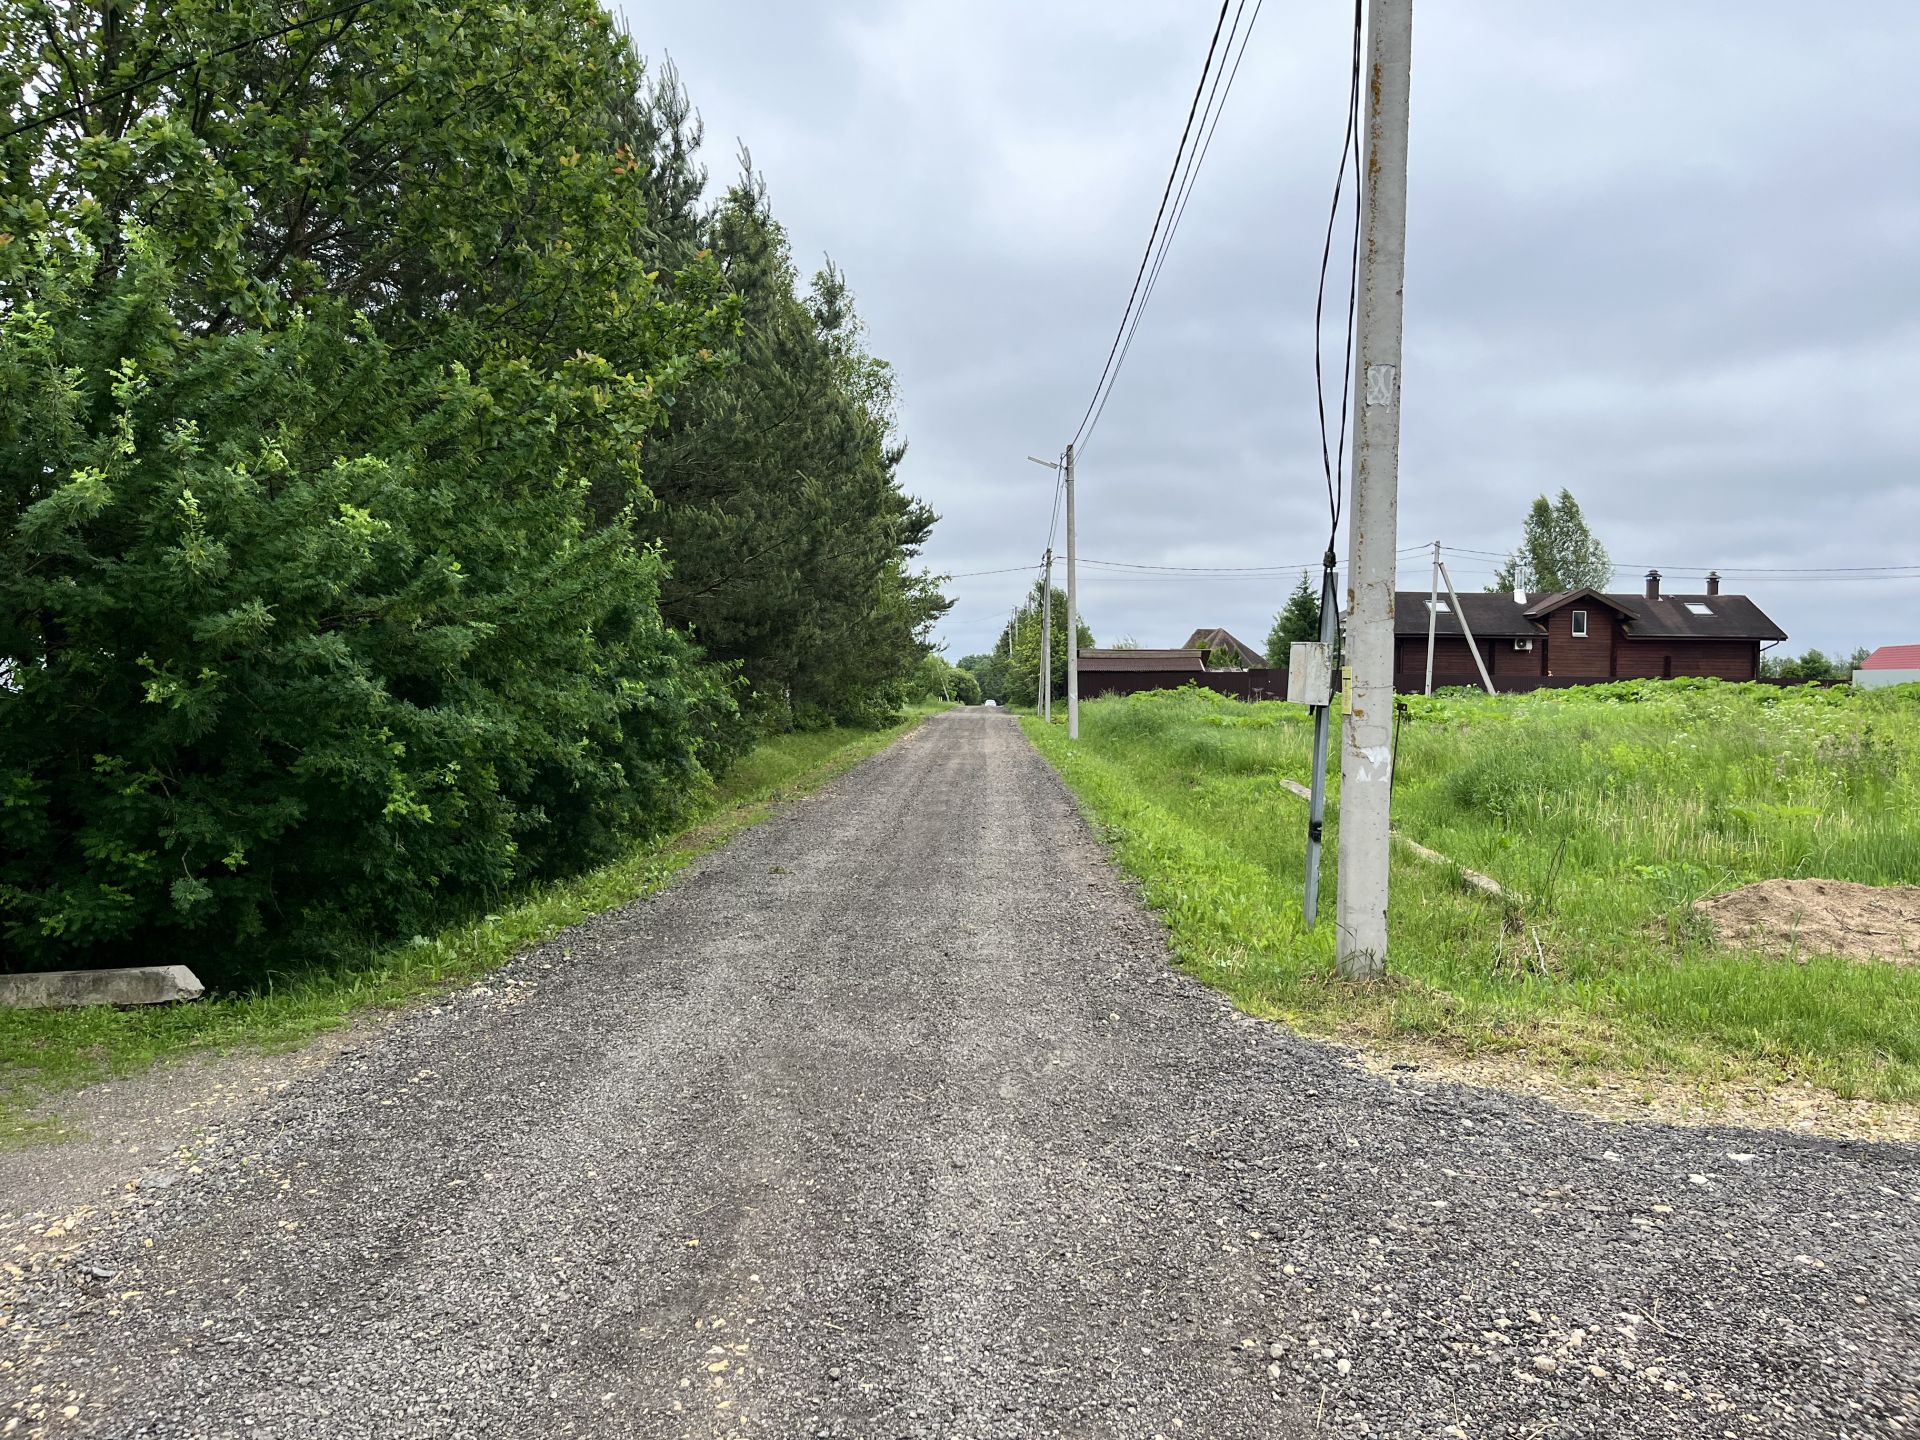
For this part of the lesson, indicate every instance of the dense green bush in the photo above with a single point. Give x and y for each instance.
(302, 639)
(332, 344)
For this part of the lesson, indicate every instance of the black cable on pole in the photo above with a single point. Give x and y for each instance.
(1159, 215)
(1059, 488)
(1333, 459)
(69, 111)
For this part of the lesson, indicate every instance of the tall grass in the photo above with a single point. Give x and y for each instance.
(1605, 813)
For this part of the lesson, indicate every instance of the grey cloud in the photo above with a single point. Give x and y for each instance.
(1655, 255)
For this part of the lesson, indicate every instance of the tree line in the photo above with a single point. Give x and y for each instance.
(1009, 673)
(415, 483)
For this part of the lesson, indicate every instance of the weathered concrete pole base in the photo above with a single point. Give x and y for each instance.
(59, 989)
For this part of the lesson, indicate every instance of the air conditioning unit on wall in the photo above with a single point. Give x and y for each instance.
(1523, 644)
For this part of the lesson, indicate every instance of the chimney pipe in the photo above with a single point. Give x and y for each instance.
(1713, 582)
(1653, 584)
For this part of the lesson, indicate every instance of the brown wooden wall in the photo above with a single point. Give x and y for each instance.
(1450, 656)
(1509, 661)
(1724, 659)
(1607, 652)
(1588, 659)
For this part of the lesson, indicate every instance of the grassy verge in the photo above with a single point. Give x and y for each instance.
(47, 1050)
(1604, 814)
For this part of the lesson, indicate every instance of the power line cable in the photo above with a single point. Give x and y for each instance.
(1723, 569)
(1335, 463)
(1009, 570)
(1203, 569)
(1210, 122)
(1146, 256)
(1059, 488)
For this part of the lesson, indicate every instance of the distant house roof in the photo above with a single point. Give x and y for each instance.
(1493, 615)
(1698, 617)
(1668, 617)
(1219, 639)
(1544, 606)
(1160, 660)
(1893, 657)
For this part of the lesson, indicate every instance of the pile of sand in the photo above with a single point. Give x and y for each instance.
(1820, 917)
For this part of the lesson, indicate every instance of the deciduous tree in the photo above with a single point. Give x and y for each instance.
(1557, 551)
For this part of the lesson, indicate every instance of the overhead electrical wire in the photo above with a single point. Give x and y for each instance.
(1412, 554)
(1007, 570)
(1334, 462)
(1723, 569)
(1201, 569)
(1059, 488)
(1109, 371)
(1197, 157)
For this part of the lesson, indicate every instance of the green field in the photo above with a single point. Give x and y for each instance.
(1605, 813)
(44, 1050)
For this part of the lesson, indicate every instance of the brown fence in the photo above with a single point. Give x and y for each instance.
(1240, 684)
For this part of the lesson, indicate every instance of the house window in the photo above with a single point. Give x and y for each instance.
(1439, 607)
(1697, 608)
(1579, 624)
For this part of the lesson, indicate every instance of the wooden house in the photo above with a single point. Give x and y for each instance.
(1582, 636)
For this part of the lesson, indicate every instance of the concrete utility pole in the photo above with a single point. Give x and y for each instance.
(1433, 613)
(1073, 617)
(1466, 630)
(1366, 750)
(1046, 642)
(1064, 468)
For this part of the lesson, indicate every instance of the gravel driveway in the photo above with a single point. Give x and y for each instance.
(890, 1120)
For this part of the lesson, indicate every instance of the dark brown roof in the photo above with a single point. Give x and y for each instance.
(1491, 615)
(1219, 639)
(1727, 617)
(1547, 604)
(1178, 660)
(1496, 615)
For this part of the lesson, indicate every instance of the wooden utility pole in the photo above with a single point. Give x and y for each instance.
(1366, 750)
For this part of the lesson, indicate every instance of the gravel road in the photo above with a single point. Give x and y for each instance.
(890, 1120)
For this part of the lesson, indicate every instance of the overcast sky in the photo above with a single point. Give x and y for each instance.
(1664, 254)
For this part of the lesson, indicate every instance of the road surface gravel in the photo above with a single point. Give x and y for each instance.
(891, 1120)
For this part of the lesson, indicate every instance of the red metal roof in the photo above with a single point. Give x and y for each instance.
(1893, 657)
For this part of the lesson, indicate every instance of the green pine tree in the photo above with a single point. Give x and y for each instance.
(1300, 620)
